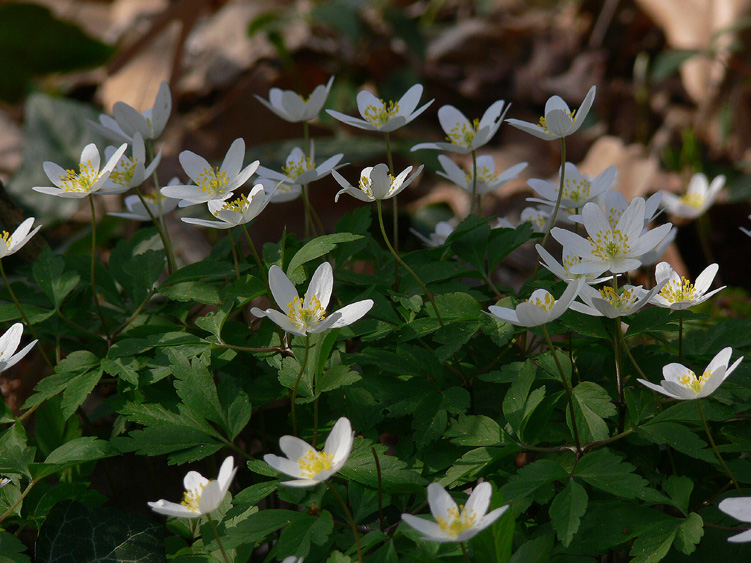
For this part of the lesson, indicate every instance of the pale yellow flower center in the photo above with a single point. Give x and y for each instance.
(305, 317)
(7, 239)
(123, 172)
(313, 462)
(623, 301)
(610, 245)
(538, 220)
(366, 185)
(379, 116)
(153, 198)
(213, 181)
(690, 381)
(238, 205)
(484, 175)
(459, 520)
(463, 134)
(295, 168)
(614, 215)
(678, 291)
(546, 303)
(695, 200)
(81, 182)
(576, 190)
(544, 124)
(192, 499)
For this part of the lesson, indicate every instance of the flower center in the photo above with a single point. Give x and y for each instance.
(7, 239)
(614, 215)
(623, 301)
(238, 205)
(676, 291)
(610, 245)
(192, 499)
(213, 181)
(459, 520)
(538, 219)
(576, 190)
(378, 116)
(690, 381)
(546, 303)
(295, 168)
(81, 182)
(544, 124)
(313, 462)
(463, 134)
(694, 200)
(305, 317)
(123, 172)
(484, 175)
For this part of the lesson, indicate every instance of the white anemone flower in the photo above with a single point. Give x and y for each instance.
(740, 509)
(4, 481)
(616, 249)
(300, 170)
(202, 496)
(376, 183)
(438, 237)
(14, 242)
(698, 198)
(615, 204)
(128, 121)
(682, 383)
(678, 293)
(456, 523)
(465, 136)
(540, 308)
(212, 183)
(9, 342)
(232, 213)
(488, 179)
(562, 269)
(156, 203)
(88, 180)
(308, 466)
(292, 107)
(559, 121)
(578, 188)
(539, 218)
(129, 172)
(378, 115)
(611, 303)
(279, 192)
(308, 315)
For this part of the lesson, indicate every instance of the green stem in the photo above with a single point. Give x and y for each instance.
(160, 224)
(394, 210)
(130, 319)
(619, 374)
(93, 268)
(567, 387)
(216, 535)
(714, 446)
(680, 334)
(350, 520)
(261, 266)
(293, 397)
(404, 265)
(560, 191)
(381, 518)
(26, 491)
(474, 204)
(23, 315)
(234, 253)
(464, 552)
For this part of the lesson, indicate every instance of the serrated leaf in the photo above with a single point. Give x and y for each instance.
(87, 448)
(195, 386)
(314, 249)
(53, 281)
(515, 401)
(259, 525)
(475, 430)
(591, 404)
(191, 291)
(135, 269)
(531, 477)
(78, 389)
(606, 471)
(689, 534)
(536, 550)
(679, 488)
(566, 511)
(124, 368)
(503, 241)
(653, 545)
(395, 476)
(337, 376)
(236, 407)
(679, 438)
(12, 549)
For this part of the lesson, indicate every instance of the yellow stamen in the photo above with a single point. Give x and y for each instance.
(459, 520)
(239, 205)
(484, 175)
(192, 499)
(610, 245)
(463, 134)
(295, 168)
(305, 317)
(313, 462)
(678, 291)
(690, 381)
(123, 172)
(576, 190)
(544, 124)
(378, 116)
(7, 239)
(81, 182)
(213, 181)
(695, 200)
(546, 303)
(623, 301)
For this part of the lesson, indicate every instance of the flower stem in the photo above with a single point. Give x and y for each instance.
(617, 337)
(264, 274)
(464, 552)
(680, 334)
(159, 222)
(381, 519)
(25, 492)
(394, 206)
(350, 520)
(216, 535)
(293, 397)
(560, 192)
(234, 253)
(404, 265)
(474, 204)
(93, 268)
(567, 387)
(714, 446)
(23, 315)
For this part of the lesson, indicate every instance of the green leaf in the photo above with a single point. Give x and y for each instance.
(515, 400)
(679, 438)
(314, 249)
(12, 549)
(653, 545)
(606, 471)
(470, 241)
(236, 407)
(195, 386)
(297, 536)
(337, 376)
(255, 493)
(77, 390)
(135, 266)
(689, 534)
(213, 322)
(191, 291)
(566, 511)
(259, 525)
(504, 241)
(395, 477)
(472, 464)
(15, 455)
(475, 430)
(83, 449)
(104, 535)
(68, 371)
(48, 271)
(591, 404)
(531, 477)
(537, 550)
(679, 489)
(199, 270)
(124, 368)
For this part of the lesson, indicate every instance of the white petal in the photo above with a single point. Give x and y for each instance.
(320, 286)
(429, 529)
(479, 500)
(339, 443)
(441, 503)
(282, 289)
(738, 508)
(172, 509)
(352, 313)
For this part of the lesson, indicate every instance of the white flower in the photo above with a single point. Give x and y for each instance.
(616, 249)
(578, 188)
(681, 383)
(488, 179)
(308, 315)
(299, 170)
(539, 218)
(465, 136)
(376, 183)
(129, 172)
(740, 509)
(456, 523)
(651, 257)
(293, 559)
(382, 116)
(679, 293)
(697, 199)
(14, 242)
(540, 308)
(558, 121)
(292, 107)
(129, 121)
(4, 481)
(612, 304)
(308, 466)
(615, 204)
(279, 192)
(232, 213)
(9, 342)
(437, 237)
(89, 179)
(563, 270)
(201, 495)
(156, 203)
(212, 183)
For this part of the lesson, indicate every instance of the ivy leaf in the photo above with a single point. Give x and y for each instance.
(606, 471)
(566, 511)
